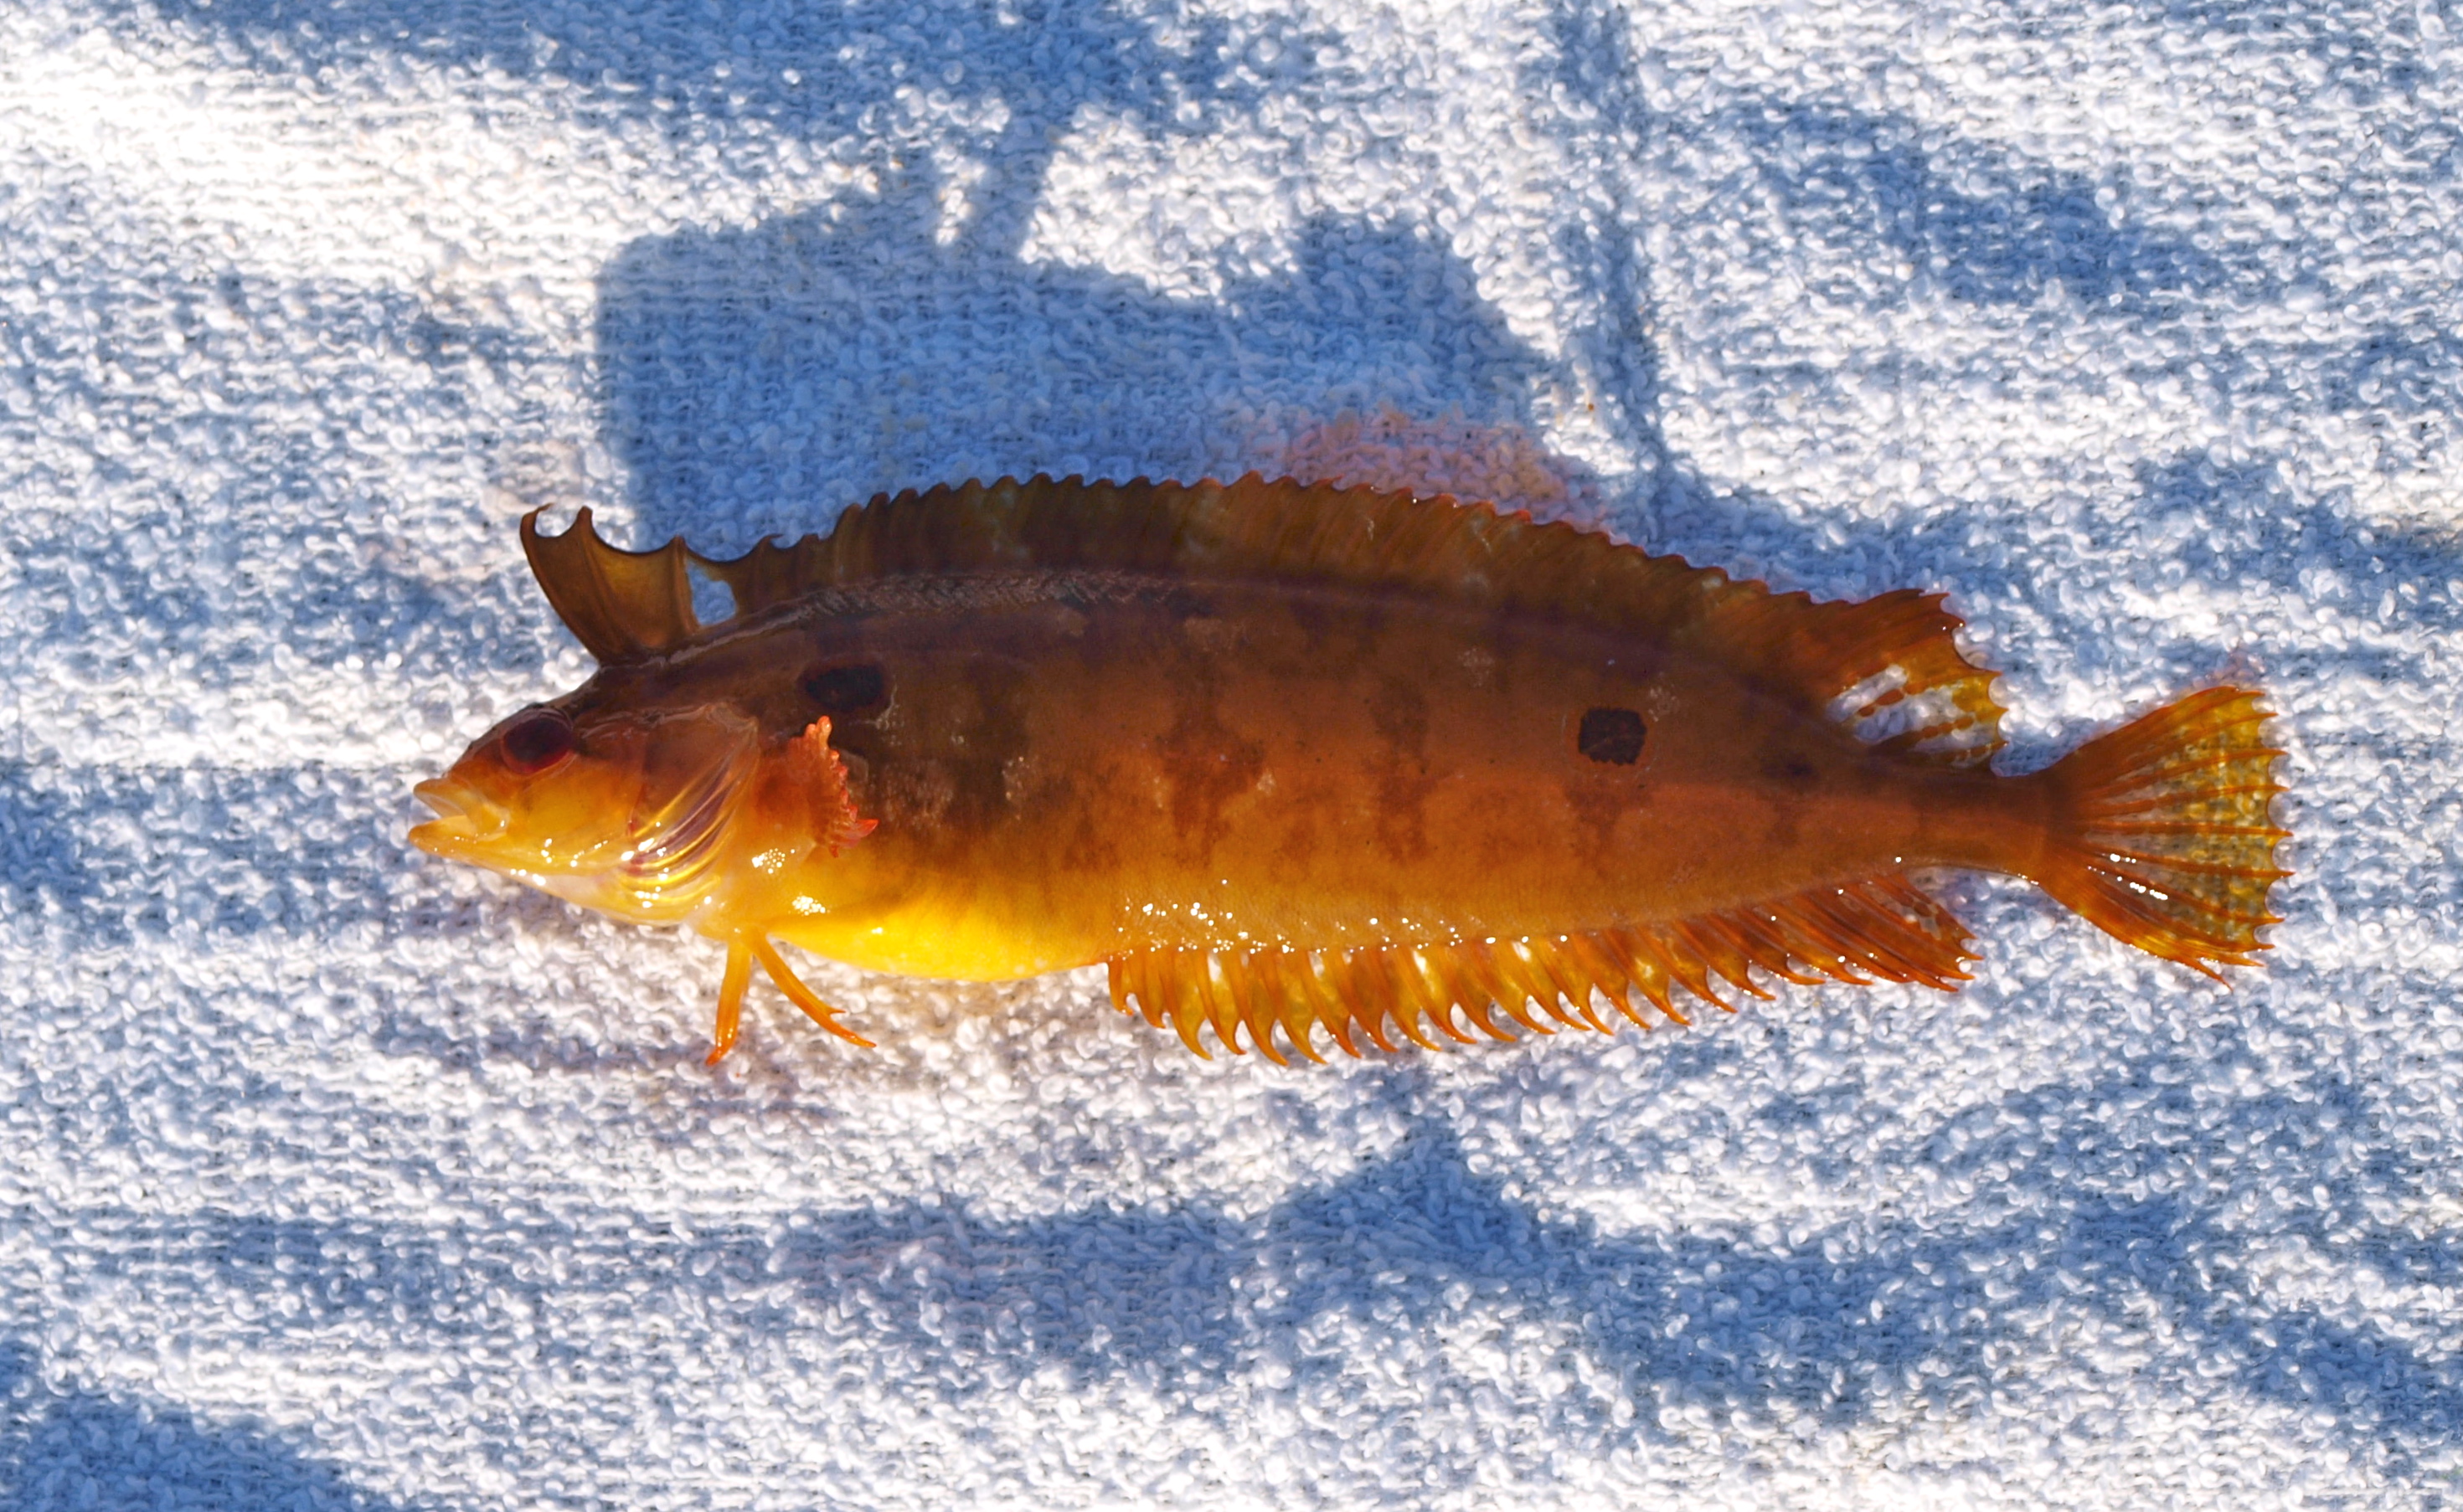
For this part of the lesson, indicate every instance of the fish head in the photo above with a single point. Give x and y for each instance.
(625, 810)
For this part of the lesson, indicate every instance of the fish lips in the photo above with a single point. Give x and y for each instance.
(466, 819)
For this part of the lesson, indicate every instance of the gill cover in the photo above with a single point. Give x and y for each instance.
(632, 816)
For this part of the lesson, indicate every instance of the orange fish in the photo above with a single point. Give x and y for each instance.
(1289, 758)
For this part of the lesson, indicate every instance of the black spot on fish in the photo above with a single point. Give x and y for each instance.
(1611, 737)
(849, 689)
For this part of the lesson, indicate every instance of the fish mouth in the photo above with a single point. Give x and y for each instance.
(465, 819)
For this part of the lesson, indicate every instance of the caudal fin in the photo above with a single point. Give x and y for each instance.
(2161, 831)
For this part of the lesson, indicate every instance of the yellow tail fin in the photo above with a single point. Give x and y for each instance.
(2161, 831)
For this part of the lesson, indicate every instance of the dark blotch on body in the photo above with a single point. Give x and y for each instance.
(1790, 769)
(847, 689)
(1612, 737)
(1400, 709)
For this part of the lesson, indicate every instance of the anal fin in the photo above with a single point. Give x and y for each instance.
(1273, 1002)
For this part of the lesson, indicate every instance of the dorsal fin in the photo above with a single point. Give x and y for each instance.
(618, 604)
(1883, 926)
(1896, 651)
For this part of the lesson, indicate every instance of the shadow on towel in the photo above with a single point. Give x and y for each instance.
(1416, 1246)
(84, 1450)
(762, 380)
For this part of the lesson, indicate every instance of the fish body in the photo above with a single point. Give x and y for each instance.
(1287, 758)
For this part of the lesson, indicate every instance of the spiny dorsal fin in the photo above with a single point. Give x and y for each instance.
(1884, 927)
(618, 604)
(1917, 690)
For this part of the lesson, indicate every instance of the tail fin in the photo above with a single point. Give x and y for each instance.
(2161, 831)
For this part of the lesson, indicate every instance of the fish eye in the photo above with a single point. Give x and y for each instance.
(537, 739)
(1612, 737)
(854, 687)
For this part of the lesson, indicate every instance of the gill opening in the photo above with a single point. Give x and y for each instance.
(675, 860)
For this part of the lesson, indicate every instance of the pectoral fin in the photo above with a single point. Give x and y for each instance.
(820, 775)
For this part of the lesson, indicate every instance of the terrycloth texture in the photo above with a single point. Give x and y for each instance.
(336, 1177)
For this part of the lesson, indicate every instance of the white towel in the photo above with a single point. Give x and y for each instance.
(338, 1176)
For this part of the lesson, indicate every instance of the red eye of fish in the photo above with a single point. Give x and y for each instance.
(538, 740)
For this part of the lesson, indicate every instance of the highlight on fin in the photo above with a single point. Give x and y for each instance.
(2163, 834)
(1881, 927)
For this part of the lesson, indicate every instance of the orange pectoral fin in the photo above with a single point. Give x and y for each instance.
(821, 776)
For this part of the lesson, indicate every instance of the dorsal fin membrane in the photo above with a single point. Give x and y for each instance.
(1888, 668)
(625, 603)
(618, 604)
(1884, 927)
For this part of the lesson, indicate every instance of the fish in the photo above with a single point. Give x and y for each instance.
(1308, 768)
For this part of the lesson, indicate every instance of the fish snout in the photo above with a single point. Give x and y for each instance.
(463, 817)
